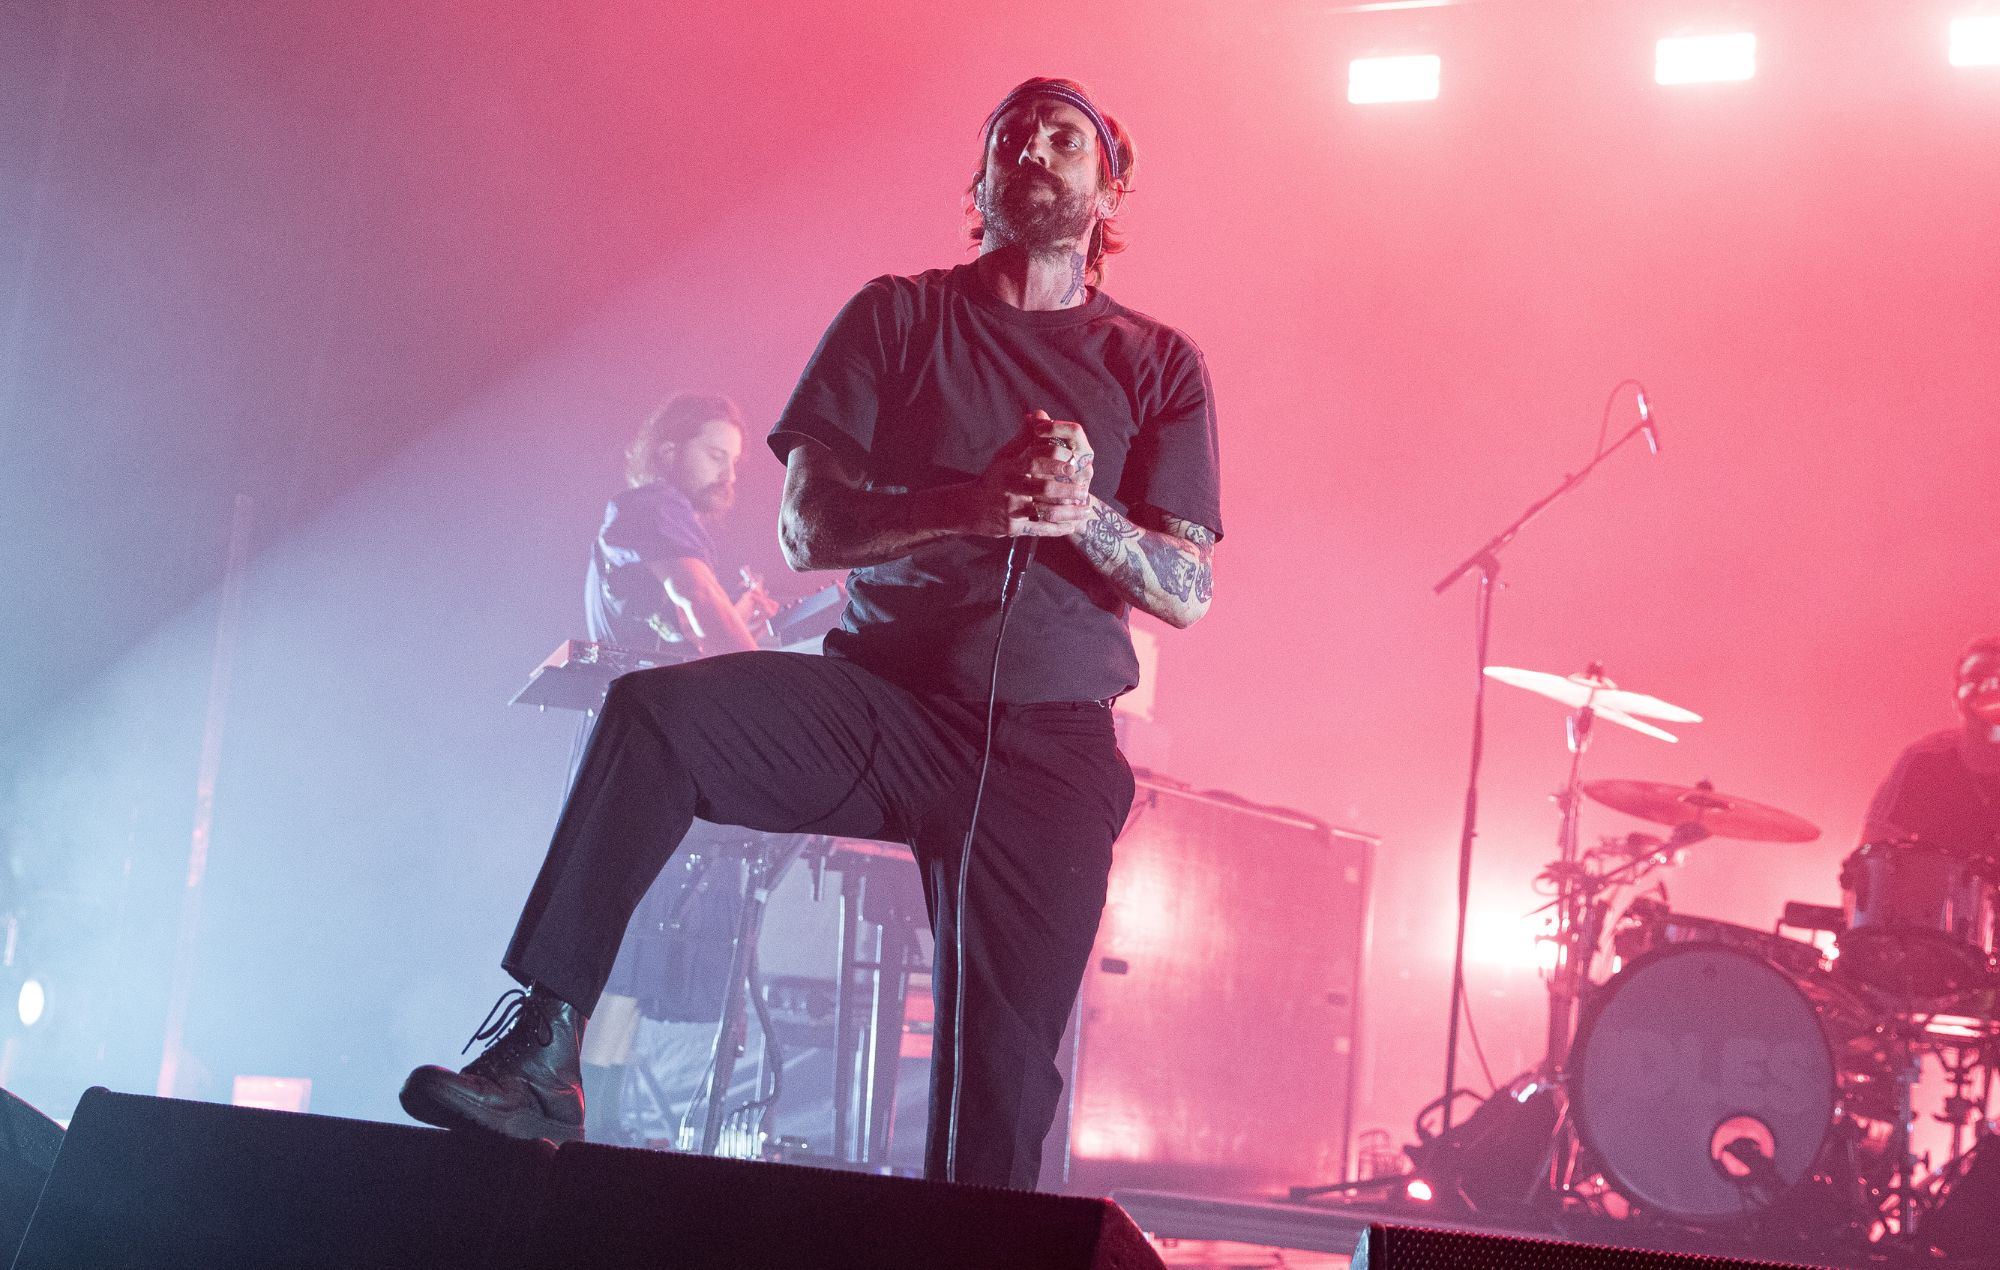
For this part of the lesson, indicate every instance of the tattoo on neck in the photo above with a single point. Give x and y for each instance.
(1075, 278)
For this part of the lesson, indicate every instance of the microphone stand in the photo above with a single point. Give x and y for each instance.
(1487, 561)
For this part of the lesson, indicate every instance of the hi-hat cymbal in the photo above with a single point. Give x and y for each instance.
(1595, 691)
(1721, 814)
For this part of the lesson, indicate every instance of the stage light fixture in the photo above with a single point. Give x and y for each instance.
(1419, 1190)
(1705, 59)
(1374, 80)
(1975, 41)
(32, 1003)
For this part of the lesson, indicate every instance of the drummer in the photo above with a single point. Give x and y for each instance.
(1945, 788)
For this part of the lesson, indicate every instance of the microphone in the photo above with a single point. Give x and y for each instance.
(1646, 424)
(1018, 561)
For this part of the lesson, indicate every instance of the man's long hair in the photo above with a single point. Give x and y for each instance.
(674, 422)
(1107, 236)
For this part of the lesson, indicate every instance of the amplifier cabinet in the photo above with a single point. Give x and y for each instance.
(1215, 1041)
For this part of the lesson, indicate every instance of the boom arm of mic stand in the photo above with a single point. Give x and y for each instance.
(1490, 553)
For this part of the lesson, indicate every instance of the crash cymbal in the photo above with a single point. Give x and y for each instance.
(1624, 720)
(1593, 690)
(1721, 814)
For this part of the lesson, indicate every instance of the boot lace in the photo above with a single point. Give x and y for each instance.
(516, 1022)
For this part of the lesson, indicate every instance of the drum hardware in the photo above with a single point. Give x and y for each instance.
(1799, 1112)
(1962, 1069)
(1648, 924)
(1579, 906)
(1829, 919)
(1726, 1079)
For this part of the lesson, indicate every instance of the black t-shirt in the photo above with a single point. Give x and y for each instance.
(641, 526)
(1936, 793)
(920, 382)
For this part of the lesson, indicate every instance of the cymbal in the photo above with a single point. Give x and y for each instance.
(1624, 720)
(1721, 814)
(1595, 691)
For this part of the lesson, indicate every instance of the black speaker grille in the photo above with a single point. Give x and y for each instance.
(1422, 1248)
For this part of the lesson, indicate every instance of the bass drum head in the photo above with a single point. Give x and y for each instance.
(1689, 1050)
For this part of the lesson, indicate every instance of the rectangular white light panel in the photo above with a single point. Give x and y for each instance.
(1380, 79)
(1705, 59)
(1975, 41)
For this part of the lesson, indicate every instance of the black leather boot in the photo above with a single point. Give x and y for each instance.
(525, 1084)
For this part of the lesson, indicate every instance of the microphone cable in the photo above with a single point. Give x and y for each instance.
(1020, 554)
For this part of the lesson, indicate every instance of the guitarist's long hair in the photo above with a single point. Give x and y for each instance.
(673, 424)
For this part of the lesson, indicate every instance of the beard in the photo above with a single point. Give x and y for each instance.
(1019, 215)
(713, 500)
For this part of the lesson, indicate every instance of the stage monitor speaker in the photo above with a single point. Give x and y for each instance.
(143, 1182)
(28, 1144)
(616, 1208)
(1426, 1248)
(1216, 1036)
(1967, 1224)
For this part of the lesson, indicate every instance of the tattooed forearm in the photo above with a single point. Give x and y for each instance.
(829, 520)
(1106, 534)
(1174, 570)
(1166, 572)
(1201, 573)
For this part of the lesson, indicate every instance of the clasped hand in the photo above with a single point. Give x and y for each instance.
(1039, 487)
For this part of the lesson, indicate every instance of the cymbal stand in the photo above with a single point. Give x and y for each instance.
(1905, 1195)
(1961, 1109)
(1576, 901)
(1582, 904)
(1963, 1066)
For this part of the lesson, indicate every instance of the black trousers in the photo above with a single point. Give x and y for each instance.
(793, 743)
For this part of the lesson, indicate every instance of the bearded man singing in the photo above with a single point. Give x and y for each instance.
(953, 430)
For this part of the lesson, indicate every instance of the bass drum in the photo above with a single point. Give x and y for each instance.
(1707, 1081)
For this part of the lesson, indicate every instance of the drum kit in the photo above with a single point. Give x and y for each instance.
(1720, 1080)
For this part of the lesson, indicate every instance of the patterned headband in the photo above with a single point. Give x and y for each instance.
(1063, 93)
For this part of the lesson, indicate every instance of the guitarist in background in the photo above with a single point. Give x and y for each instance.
(652, 581)
(652, 587)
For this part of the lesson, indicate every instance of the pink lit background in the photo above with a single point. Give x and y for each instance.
(407, 276)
